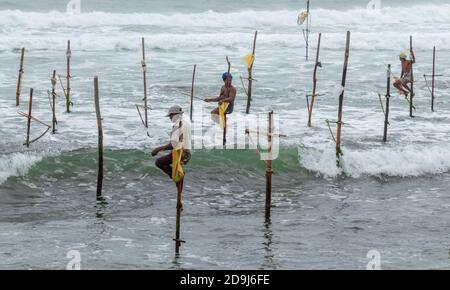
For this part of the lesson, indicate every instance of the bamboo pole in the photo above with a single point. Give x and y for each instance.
(225, 116)
(144, 73)
(19, 81)
(388, 96)
(100, 140)
(313, 97)
(54, 122)
(341, 101)
(411, 104)
(269, 171)
(30, 107)
(433, 78)
(192, 94)
(250, 77)
(225, 130)
(68, 89)
(177, 239)
(307, 31)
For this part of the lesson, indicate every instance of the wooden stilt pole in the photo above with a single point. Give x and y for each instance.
(388, 96)
(341, 101)
(144, 73)
(269, 171)
(433, 78)
(100, 140)
(54, 122)
(225, 130)
(192, 94)
(229, 64)
(411, 100)
(250, 77)
(308, 29)
(30, 107)
(19, 81)
(313, 97)
(177, 239)
(68, 88)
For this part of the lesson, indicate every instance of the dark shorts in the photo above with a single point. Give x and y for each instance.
(230, 108)
(165, 163)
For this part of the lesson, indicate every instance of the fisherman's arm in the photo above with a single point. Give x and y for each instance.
(162, 148)
(215, 99)
(208, 100)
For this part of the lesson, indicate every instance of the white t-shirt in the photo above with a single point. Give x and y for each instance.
(181, 133)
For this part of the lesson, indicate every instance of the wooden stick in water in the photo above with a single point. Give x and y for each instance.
(388, 96)
(250, 77)
(30, 107)
(433, 79)
(225, 130)
(341, 101)
(68, 89)
(100, 140)
(19, 81)
(229, 65)
(269, 171)
(177, 239)
(308, 29)
(144, 72)
(313, 97)
(192, 94)
(54, 122)
(411, 104)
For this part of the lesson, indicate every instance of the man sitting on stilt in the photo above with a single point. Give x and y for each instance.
(180, 144)
(227, 95)
(406, 78)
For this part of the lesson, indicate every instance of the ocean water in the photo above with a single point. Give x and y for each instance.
(392, 198)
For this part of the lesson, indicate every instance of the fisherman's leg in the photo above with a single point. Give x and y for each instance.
(399, 86)
(407, 87)
(215, 115)
(165, 164)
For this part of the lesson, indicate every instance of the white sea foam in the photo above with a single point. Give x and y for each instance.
(433, 14)
(17, 164)
(109, 31)
(407, 161)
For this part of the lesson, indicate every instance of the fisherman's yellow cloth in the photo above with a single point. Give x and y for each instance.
(222, 111)
(248, 59)
(177, 167)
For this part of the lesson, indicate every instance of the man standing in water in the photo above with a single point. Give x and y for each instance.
(180, 136)
(406, 77)
(227, 95)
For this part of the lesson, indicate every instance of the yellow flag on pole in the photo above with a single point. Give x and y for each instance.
(248, 59)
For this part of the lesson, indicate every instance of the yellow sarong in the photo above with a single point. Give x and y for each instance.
(177, 167)
(248, 60)
(222, 111)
